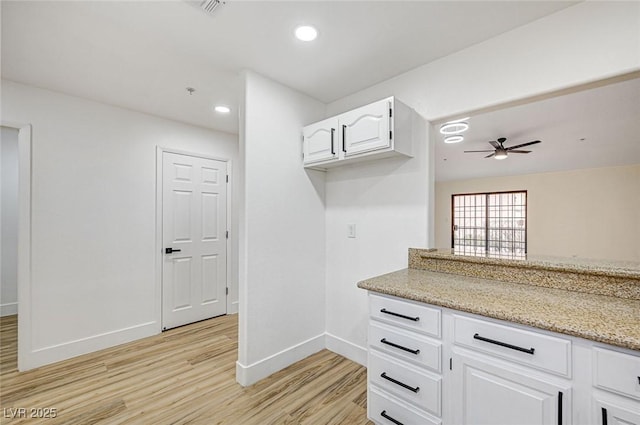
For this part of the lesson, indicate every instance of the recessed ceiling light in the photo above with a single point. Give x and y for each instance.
(222, 109)
(306, 33)
(454, 139)
(454, 127)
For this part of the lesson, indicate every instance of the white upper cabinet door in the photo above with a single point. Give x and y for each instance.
(321, 141)
(367, 128)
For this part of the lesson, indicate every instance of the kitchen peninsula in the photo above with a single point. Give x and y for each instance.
(564, 345)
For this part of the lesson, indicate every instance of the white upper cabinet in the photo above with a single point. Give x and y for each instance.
(320, 141)
(378, 130)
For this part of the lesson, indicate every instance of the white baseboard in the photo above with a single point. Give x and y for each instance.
(248, 375)
(8, 309)
(67, 350)
(346, 349)
(233, 308)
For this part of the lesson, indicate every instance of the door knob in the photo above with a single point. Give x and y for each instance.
(171, 250)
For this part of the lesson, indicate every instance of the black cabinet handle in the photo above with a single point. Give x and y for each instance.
(389, 418)
(559, 407)
(384, 341)
(385, 311)
(333, 130)
(504, 344)
(344, 135)
(604, 416)
(171, 250)
(402, 384)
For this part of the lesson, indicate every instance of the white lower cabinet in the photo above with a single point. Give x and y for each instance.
(490, 392)
(433, 365)
(615, 411)
(616, 382)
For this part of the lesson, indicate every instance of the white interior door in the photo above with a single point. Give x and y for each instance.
(194, 232)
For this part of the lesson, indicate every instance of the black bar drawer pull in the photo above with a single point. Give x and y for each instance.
(604, 416)
(559, 407)
(389, 418)
(385, 311)
(171, 250)
(384, 341)
(402, 384)
(504, 344)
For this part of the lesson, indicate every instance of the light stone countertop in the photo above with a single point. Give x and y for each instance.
(617, 268)
(601, 318)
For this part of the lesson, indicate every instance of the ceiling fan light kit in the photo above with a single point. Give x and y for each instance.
(500, 154)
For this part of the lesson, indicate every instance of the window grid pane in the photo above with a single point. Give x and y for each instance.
(493, 223)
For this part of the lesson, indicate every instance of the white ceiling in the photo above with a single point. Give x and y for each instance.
(607, 118)
(142, 55)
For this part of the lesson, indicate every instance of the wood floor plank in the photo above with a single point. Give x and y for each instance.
(183, 376)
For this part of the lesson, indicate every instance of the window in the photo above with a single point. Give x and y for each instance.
(493, 224)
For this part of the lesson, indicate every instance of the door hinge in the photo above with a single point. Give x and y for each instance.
(227, 290)
(450, 363)
(227, 235)
(390, 135)
(227, 178)
(390, 112)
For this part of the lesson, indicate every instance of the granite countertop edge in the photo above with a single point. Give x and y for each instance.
(397, 284)
(598, 268)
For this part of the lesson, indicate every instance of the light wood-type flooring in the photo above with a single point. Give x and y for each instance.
(182, 376)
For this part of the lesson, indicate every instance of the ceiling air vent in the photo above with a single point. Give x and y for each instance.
(208, 6)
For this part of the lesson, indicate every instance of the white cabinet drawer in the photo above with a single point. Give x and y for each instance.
(406, 314)
(618, 372)
(406, 345)
(413, 385)
(530, 348)
(386, 410)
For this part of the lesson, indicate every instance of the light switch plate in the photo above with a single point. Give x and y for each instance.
(351, 230)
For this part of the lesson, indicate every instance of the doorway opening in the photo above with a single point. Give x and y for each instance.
(15, 236)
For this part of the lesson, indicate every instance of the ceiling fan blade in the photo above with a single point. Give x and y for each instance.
(490, 150)
(519, 151)
(489, 156)
(495, 144)
(523, 145)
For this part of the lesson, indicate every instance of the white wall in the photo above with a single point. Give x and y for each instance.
(583, 43)
(388, 201)
(282, 246)
(589, 213)
(9, 222)
(93, 282)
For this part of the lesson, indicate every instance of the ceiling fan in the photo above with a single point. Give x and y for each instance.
(500, 152)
